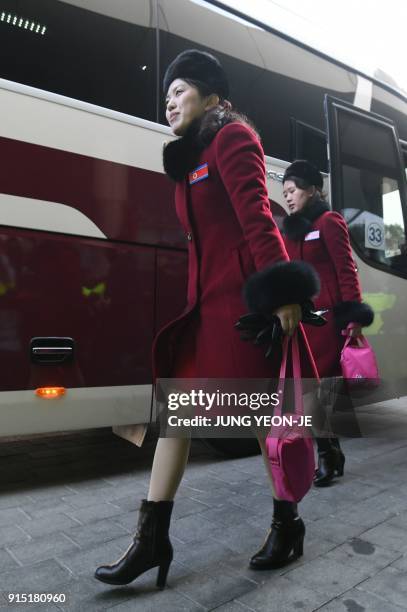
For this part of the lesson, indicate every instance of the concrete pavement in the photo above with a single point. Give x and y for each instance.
(69, 503)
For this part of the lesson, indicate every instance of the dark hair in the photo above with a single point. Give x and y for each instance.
(218, 116)
(303, 184)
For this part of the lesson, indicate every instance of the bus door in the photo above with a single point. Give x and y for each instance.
(368, 187)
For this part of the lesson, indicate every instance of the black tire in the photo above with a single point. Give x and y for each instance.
(233, 447)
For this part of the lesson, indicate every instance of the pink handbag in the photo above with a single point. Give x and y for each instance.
(290, 453)
(358, 363)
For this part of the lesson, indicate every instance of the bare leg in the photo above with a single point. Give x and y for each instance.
(170, 459)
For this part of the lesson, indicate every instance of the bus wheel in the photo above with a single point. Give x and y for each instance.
(233, 447)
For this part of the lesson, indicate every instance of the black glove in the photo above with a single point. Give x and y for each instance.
(267, 330)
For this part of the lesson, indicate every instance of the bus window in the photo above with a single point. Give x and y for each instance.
(82, 54)
(368, 185)
(307, 142)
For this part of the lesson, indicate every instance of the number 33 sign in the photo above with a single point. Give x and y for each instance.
(374, 235)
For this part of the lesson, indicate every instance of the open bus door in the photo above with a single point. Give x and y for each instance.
(368, 187)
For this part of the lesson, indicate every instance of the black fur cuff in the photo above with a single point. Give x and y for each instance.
(353, 312)
(287, 282)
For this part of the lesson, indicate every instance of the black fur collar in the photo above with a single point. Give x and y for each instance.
(298, 225)
(181, 156)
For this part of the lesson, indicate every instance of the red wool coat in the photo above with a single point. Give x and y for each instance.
(326, 246)
(231, 234)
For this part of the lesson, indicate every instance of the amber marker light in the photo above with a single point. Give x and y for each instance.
(50, 392)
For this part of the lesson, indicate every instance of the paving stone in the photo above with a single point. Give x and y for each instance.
(192, 527)
(233, 606)
(389, 536)
(399, 520)
(127, 480)
(46, 576)
(373, 511)
(205, 484)
(12, 534)
(258, 504)
(127, 504)
(84, 562)
(95, 533)
(12, 516)
(51, 523)
(361, 552)
(96, 495)
(238, 565)
(334, 529)
(230, 475)
(356, 600)
(226, 515)
(327, 576)
(88, 594)
(348, 490)
(282, 595)
(390, 584)
(6, 561)
(13, 500)
(390, 474)
(151, 601)
(222, 513)
(315, 547)
(46, 507)
(400, 563)
(40, 549)
(314, 507)
(214, 498)
(260, 478)
(240, 538)
(211, 589)
(202, 554)
(86, 486)
(185, 506)
(251, 488)
(128, 521)
(39, 493)
(94, 513)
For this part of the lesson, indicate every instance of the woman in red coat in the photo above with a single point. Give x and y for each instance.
(315, 234)
(222, 203)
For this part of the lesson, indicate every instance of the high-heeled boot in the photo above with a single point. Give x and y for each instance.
(284, 542)
(331, 461)
(151, 547)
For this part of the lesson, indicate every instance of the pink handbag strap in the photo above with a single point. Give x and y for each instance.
(356, 341)
(296, 366)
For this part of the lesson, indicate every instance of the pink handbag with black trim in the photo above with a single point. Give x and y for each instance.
(290, 453)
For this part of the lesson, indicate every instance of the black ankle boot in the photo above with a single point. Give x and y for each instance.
(331, 461)
(151, 547)
(284, 542)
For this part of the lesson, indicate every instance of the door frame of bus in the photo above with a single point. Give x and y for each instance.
(331, 106)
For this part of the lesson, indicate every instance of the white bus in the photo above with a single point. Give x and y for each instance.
(92, 258)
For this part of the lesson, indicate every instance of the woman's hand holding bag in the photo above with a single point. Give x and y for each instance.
(260, 329)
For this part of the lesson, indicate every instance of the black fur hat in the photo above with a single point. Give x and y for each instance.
(304, 170)
(198, 66)
(286, 282)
